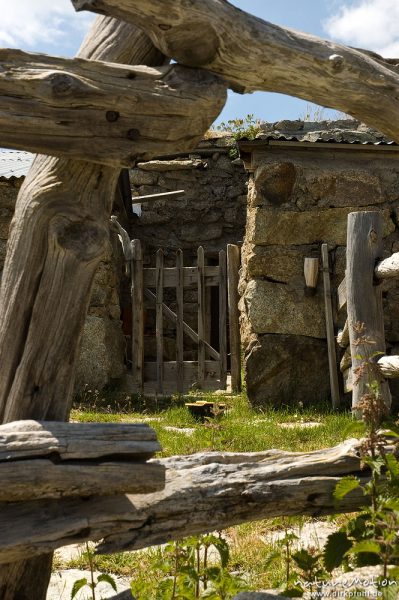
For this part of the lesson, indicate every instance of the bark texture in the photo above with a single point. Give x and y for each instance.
(203, 492)
(101, 112)
(252, 54)
(57, 238)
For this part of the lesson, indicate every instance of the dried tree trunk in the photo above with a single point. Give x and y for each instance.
(255, 55)
(61, 106)
(203, 492)
(57, 238)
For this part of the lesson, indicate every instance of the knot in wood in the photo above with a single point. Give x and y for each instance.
(61, 84)
(112, 116)
(85, 239)
(133, 134)
(164, 26)
(337, 62)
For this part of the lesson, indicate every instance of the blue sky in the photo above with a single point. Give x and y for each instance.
(52, 26)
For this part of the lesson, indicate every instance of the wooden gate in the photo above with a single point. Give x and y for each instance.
(210, 370)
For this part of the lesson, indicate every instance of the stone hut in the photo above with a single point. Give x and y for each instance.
(304, 180)
(299, 183)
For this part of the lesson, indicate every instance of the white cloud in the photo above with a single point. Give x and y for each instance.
(38, 24)
(369, 24)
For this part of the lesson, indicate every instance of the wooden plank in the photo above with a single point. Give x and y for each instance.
(190, 276)
(364, 301)
(341, 293)
(159, 318)
(169, 314)
(40, 478)
(70, 441)
(223, 318)
(59, 106)
(162, 196)
(190, 370)
(138, 314)
(332, 356)
(388, 268)
(201, 316)
(233, 265)
(179, 320)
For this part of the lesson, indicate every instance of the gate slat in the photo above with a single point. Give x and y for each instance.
(180, 319)
(159, 318)
(138, 314)
(233, 265)
(201, 316)
(222, 318)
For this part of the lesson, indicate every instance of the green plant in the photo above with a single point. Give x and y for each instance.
(188, 573)
(371, 537)
(93, 583)
(248, 128)
(303, 567)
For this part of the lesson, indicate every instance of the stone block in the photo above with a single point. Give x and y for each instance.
(266, 227)
(102, 353)
(287, 369)
(277, 263)
(169, 165)
(140, 177)
(275, 182)
(343, 187)
(284, 309)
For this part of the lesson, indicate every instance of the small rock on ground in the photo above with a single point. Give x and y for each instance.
(62, 581)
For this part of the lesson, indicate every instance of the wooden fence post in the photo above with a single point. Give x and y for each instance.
(332, 355)
(201, 316)
(138, 315)
(364, 302)
(233, 265)
(223, 318)
(179, 321)
(159, 318)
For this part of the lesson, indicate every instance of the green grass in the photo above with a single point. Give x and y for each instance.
(240, 429)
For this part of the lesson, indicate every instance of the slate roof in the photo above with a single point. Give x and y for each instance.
(15, 163)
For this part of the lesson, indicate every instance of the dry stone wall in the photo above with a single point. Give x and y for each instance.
(299, 197)
(212, 212)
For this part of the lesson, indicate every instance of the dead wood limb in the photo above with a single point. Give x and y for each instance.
(203, 492)
(101, 112)
(57, 460)
(255, 55)
(58, 236)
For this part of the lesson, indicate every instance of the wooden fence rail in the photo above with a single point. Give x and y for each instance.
(203, 492)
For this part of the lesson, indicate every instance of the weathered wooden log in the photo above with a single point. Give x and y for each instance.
(58, 236)
(389, 366)
(100, 112)
(56, 460)
(364, 303)
(252, 54)
(332, 353)
(388, 268)
(203, 492)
